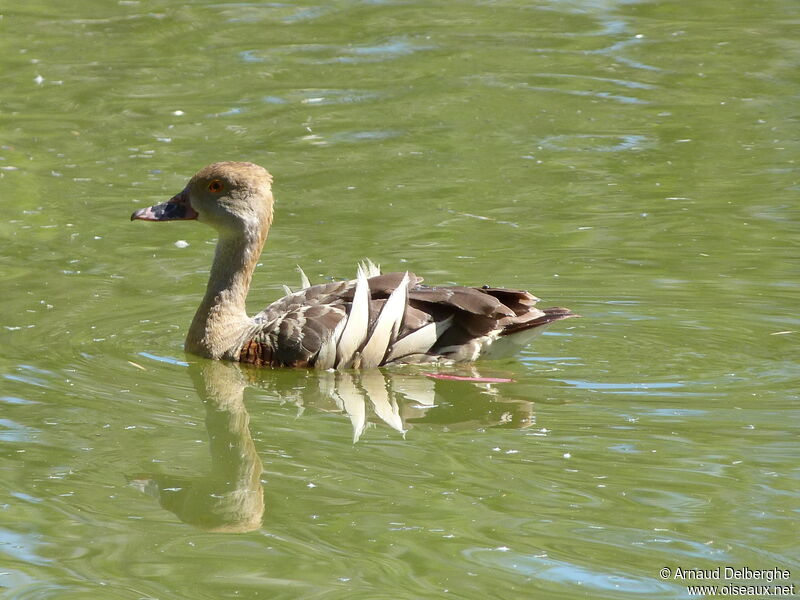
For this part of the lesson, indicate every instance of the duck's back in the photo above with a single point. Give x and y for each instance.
(392, 318)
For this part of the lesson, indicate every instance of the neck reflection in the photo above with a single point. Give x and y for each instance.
(230, 497)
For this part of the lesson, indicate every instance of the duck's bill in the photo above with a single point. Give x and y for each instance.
(176, 208)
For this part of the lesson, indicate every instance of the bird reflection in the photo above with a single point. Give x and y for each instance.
(231, 498)
(403, 400)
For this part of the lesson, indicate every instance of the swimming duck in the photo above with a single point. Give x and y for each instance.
(375, 319)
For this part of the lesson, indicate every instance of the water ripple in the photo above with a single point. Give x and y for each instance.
(492, 80)
(338, 53)
(563, 572)
(321, 97)
(595, 142)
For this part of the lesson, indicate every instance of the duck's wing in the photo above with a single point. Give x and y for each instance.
(334, 325)
(392, 318)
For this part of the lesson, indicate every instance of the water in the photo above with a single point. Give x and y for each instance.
(635, 161)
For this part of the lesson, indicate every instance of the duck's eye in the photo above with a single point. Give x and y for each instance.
(216, 186)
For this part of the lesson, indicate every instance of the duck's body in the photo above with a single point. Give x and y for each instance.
(370, 321)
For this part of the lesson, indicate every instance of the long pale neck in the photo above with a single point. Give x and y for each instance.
(221, 319)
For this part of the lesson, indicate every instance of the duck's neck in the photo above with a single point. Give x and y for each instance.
(221, 321)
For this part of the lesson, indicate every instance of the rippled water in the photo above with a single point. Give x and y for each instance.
(635, 161)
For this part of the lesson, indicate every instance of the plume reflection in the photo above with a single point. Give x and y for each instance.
(403, 399)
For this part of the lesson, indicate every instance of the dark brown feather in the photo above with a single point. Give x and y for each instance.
(519, 301)
(552, 314)
(256, 353)
(472, 300)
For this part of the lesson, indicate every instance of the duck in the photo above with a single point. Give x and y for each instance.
(373, 320)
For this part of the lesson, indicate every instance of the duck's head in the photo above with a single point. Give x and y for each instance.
(232, 197)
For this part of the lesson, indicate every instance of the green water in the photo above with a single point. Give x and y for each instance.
(634, 161)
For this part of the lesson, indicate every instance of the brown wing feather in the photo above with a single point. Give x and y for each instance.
(471, 300)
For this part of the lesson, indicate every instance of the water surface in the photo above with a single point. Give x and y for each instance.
(635, 161)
